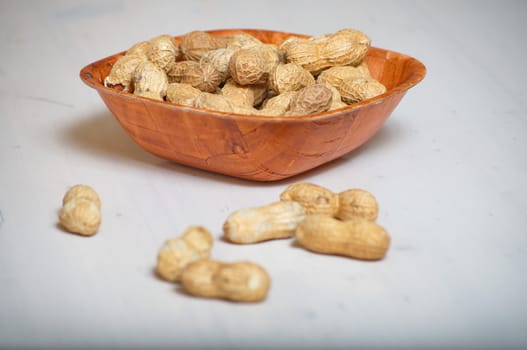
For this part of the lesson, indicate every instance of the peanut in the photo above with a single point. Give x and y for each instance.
(176, 253)
(357, 203)
(215, 102)
(203, 77)
(80, 212)
(357, 90)
(177, 71)
(241, 281)
(82, 192)
(163, 51)
(336, 75)
(277, 105)
(183, 94)
(241, 41)
(122, 72)
(336, 99)
(314, 198)
(286, 44)
(247, 66)
(289, 77)
(150, 81)
(219, 59)
(196, 43)
(356, 238)
(311, 99)
(270, 55)
(273, 221)
(345, 47)
(140, 49)
(244, 95)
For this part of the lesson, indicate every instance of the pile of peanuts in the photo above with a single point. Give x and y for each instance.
(321, 221)
(241, 74)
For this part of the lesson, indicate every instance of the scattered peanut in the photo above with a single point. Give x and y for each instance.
(82, 192)
(357, 238)
(314, 198)
(273, 221)
(81, 210)
(241, 281)
(176, 253)
(357, 203)
(306, 211)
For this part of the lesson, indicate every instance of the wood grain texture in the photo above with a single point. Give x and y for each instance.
(256, 147)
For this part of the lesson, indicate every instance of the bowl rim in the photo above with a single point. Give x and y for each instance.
(418, 74)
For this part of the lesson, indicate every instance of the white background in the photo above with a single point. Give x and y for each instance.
(448, 169)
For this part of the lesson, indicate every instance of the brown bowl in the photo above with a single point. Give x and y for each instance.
(256, 147)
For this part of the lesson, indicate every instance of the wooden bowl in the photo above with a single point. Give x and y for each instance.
(256, 147)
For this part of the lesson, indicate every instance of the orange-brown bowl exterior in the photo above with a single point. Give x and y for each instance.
(256, 147)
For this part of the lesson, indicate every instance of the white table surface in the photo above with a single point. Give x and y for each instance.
(448, 169)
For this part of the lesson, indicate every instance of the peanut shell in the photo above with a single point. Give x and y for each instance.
(356, 90)
(196, 43)
(80, 215)
(241, 41)
(183, 94)
(356, 238)
(140, 49)
(150, 81)
(218, 59)
(272, 221)
(163, 51)
(289, 77)
(81, 191)
(336, 75)
(241, 281)
(176, 253)
(122, 72)
(314, 198)
(177, 71)
(357, 203)
(213, 102)
(244, 95)
(203, 77)
(311, 99)
(247, 67)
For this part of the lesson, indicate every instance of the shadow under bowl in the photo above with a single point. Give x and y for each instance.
(252, 147)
